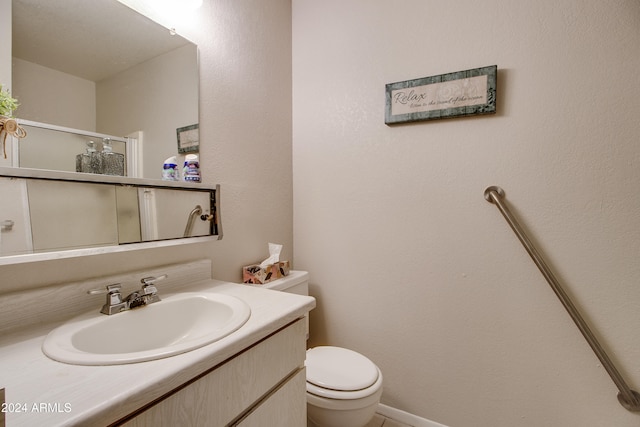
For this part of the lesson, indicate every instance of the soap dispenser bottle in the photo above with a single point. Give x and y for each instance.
(191, 169)
(112, 163)
(170, 169)
(90, 161)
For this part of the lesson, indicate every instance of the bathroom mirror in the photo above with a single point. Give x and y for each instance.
(65, 212)
(102, 67)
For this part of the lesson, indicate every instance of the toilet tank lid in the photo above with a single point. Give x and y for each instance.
(340, 369)
(295, 277)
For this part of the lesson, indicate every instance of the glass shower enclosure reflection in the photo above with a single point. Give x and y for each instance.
(63, 149)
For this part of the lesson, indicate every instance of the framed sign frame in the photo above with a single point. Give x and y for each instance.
(463, 93)
(188, 139)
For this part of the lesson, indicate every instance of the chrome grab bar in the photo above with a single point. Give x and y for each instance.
(192, 216)
(627, 397)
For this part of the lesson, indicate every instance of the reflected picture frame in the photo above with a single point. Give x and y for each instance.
(188, 139)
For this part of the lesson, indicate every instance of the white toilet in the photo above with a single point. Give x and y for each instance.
(343, 386)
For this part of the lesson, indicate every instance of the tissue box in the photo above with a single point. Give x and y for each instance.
(261, 275)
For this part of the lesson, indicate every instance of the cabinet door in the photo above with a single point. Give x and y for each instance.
(287, 407)
(226, 393)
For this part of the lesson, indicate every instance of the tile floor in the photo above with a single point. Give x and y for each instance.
(381, 421)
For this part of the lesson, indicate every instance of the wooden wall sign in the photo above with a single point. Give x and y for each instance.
(462, 93)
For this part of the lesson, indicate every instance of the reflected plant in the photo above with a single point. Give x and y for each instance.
(8, 125)
(8, 104)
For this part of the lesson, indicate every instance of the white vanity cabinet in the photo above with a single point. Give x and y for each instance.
(263, 385)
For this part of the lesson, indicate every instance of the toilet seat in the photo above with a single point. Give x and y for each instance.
(340, 373)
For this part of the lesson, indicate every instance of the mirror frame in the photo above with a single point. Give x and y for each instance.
(10, 172)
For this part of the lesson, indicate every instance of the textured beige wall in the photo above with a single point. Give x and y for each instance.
(51, 96)
(5, 48)
(5, 55)
(151, 98)
(411, 266)
(245, 129)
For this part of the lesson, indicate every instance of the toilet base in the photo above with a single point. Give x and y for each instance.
(320, 417)
(357, 413)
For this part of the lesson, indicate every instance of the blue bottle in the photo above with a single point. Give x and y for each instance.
(170, 170)
(191, 169)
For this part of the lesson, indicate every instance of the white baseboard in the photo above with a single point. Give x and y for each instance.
(405, 417)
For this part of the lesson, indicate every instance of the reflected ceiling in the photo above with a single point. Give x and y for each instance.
(69, 35)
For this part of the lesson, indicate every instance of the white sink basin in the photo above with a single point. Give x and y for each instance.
(177, 324)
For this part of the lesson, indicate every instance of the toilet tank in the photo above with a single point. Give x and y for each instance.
(296, 282)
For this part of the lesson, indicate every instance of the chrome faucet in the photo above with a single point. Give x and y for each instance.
(148, 294)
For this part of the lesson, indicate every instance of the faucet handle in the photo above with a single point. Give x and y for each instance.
(109, 289)
(149, 288)
(113, 293)
(113, 296)
(149, 284)
(114, 301)
(151, 280)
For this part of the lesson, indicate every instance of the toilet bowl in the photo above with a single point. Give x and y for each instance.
(343, 386)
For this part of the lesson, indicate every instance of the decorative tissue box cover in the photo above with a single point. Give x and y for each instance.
(259, 275)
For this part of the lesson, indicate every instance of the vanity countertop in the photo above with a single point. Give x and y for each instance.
(40, 391)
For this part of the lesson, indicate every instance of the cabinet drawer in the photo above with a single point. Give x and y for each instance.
(225, 393)
(286, 407)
